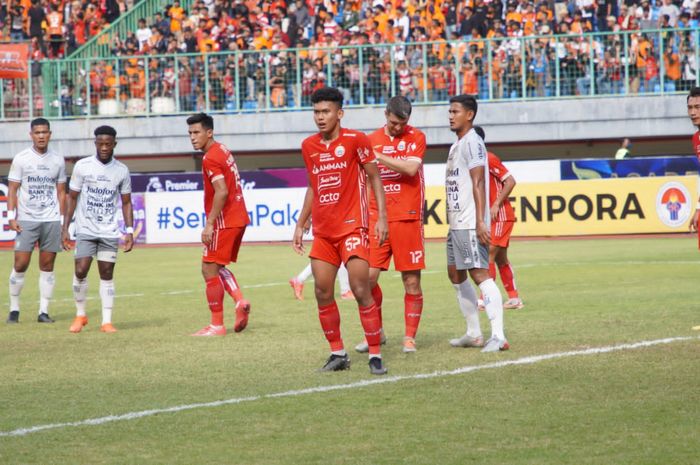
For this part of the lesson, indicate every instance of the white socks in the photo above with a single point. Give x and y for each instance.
(80, 288)
(107, 296)
(47, 280)
(304, 275)
(343, 279)
(16, 285)
(494, 307)
(466, 297)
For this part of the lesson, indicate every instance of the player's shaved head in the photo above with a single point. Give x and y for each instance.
(328, 94)
(205, 120)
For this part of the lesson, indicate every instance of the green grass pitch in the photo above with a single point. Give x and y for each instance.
(638, 406)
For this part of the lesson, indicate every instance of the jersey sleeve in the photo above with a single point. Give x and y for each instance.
(364, 149)
(416, 149)
(125, 185)
(76, 179)
(61, 171)
(475, 152)
(213, 168)
(497, 169)
(15, 173)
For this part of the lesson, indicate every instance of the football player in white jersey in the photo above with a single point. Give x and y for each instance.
(96, 186)
(37, 190)
(467, 191)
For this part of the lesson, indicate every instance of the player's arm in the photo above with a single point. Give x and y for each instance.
(407, 167)
(71, 202)
(381, 230)
(217, 205)
(479, 192)
(303, 222)
(508, 185)
(696, 217)
(128, 214)
(61, 194)
(12, 206)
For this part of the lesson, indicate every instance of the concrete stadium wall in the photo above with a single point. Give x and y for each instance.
(506, 122)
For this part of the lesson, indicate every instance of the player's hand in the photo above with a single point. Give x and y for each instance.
(381, 230)
(483, 233)
(14, 226)
(494, 212)
(297, 240)
(207, 234)
(128, 242)
(65, 239)
(693, 226)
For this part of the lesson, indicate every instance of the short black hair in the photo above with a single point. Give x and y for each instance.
(327, 94)
(105, 131)
(694, 92)
(205, 120)
(39, 122)
(399, 106)
(479, 130)
(467, 101)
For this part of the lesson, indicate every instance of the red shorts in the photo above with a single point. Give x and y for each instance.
(224, 246)
(500, 233)
(405, 243)
(340, 250)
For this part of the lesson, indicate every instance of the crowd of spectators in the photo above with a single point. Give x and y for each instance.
(432, 49)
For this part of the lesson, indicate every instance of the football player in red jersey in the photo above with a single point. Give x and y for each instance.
(501, 184)
(694, 114)
(339, 162)
(227, 218)
(399, 149)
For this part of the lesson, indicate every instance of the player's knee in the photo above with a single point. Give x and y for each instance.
(81, 272)
(324, 295)
(454, 276)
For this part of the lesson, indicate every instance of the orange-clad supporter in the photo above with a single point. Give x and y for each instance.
(177, 15)
(469, 76)
(339, 162)
(501, 184)
(400, 148)
(227, 219)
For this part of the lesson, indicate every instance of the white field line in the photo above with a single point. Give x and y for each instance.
(340, 387)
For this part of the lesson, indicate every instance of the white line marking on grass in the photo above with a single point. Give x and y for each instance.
(339, 387)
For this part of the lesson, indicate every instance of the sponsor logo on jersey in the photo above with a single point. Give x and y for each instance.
(329, 166)
(386, 173)
(339, 151)
(453, 172)
(673, 204)
(328, 181)
(392, 188)
(401, 146)
(388, 149)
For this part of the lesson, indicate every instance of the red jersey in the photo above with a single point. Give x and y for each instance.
(338, 182)
(696, 144)
(498, 173)
(404, 194)
(218, 163)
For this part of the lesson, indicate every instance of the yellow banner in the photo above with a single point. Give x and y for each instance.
(600, 206)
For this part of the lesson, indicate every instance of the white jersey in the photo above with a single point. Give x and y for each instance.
(100, 186)
(38, 174)
(467, 153)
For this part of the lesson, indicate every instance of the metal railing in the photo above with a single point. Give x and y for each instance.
(540, 67)
(100, 45)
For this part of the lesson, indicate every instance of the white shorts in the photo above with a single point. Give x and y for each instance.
(465, 251)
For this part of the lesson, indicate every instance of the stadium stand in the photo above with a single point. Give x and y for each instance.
(233, 55)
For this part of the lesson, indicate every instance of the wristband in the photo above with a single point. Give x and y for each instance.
(11, 215)
(61, 221)
(129, 230)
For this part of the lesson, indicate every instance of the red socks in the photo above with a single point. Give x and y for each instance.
(508, 280)
(369, 316)
(230, 284)
(215, 299)
(413, 308)
(378, 296)
(492, 270)
(329, 316)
